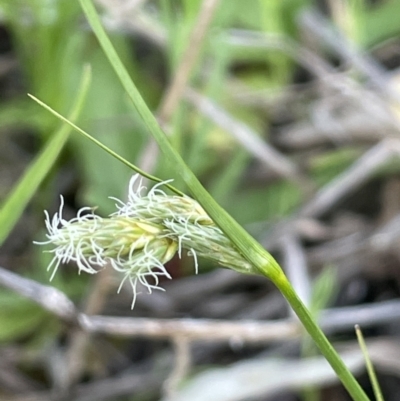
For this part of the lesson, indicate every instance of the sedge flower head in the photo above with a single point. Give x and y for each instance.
(140, 237)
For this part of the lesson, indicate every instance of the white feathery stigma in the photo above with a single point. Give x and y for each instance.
(139, 238)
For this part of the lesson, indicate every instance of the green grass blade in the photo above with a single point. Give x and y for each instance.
(104, 147)
(23, 191)
(370, 367)
(249, 248)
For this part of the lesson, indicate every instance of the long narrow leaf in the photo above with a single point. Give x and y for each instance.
(369, 365)
(104, 147)
(23, 191)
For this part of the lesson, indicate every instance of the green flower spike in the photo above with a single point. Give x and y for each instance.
(140, 237)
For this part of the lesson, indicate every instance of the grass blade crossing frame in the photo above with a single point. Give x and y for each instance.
(23, 191)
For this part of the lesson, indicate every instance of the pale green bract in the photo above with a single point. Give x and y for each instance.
(140, 237)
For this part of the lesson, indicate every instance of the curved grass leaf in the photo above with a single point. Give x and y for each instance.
(22, 193)
(104, 147)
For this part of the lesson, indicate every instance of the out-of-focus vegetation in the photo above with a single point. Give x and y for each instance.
(245, 68)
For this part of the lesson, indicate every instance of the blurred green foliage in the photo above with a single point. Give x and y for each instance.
(52, 42)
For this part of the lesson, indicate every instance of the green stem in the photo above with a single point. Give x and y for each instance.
(343, 373)
(370, 367)
(246, 245)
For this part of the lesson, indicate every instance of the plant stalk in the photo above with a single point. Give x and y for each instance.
(252, 251)
(326, 348)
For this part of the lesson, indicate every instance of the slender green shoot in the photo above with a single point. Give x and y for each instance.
(104, 147)
(26, 187)
(370, 367)
(326, 348)
(323, 288)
